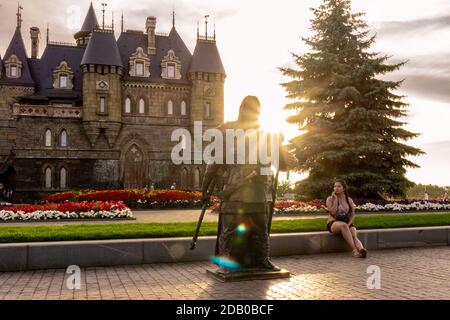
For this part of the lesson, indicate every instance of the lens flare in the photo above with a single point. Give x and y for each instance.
(225, 263)
(241, 229)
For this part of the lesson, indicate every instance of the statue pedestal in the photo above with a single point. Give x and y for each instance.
(247, 275)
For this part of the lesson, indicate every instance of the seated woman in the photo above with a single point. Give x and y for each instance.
(340, 220)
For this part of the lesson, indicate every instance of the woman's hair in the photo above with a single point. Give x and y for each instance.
(344, 185)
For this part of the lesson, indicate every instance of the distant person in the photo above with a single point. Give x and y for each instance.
(152, 187)
(174, 186)
(341, 210)
(445, 196)
(426, 197)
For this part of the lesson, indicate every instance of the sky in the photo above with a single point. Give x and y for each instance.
(256, 37)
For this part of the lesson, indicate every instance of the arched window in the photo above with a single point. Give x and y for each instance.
(184, 178)
(127, 105)
(196, 178)
(63, 138)
(183, 108)
(48, 178)
(48, 138)
(170, 108)
(141, 106)
(63, 178)
(207, 110)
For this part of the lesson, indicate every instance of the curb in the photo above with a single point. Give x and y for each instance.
(60, 255)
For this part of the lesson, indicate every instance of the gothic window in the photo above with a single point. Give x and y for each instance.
(63, 76)
(184, 178)
(48, 178)
(141, 106)
(139, 64)
(13, 67)
(63, 138)
(48, 138)
(196, 178)
(102, 105)
(171, 66)
(170, 108)
(207, 111)
(63, 178)
(127, 105)
(183, 108)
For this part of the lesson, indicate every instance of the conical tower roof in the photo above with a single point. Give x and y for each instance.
(206, 58)
(102, 49)
(90, 22)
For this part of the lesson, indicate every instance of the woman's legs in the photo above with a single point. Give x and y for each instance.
(358, 243)
(342, 228)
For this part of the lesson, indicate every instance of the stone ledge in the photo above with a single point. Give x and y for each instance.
(55, 255)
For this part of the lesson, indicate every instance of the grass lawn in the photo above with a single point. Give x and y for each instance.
(155, 230)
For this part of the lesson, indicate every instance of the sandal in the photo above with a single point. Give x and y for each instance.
(356, 254)
(363, 253)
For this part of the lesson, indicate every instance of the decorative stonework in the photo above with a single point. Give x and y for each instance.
(171, 66)
(52, 111)
(102, 85)
(63, 70)
(137, 59)
(210, 92)
(13, 67)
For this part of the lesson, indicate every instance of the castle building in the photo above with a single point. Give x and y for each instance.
(99, 113)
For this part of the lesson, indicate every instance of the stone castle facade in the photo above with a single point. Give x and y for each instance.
(99, 113)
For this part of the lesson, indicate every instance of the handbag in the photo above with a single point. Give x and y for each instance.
(343, 217)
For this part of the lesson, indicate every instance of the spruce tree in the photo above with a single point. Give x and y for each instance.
(350, 118)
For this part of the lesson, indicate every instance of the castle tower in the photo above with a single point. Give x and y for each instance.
(102, 70)
(90, 22)
(35, 34)
(208, 78)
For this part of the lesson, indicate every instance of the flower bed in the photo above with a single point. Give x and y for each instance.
(63, 211)
(136, 199)
(297, 207)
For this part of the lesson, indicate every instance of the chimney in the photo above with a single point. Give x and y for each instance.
(35, 41)
(150, 27)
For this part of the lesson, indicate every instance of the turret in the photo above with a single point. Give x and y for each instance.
(90, 22)
(208, 78)
(102, 71)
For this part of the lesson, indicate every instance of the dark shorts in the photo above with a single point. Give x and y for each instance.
(329, 224)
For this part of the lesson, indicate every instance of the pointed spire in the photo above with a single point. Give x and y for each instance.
(206, 26)
(122, 29)
(214, 31)
(173, 17)
(48, 33)
(198, 30)
(90, 22)
(112, 22)
(104, 5)
(19, 15)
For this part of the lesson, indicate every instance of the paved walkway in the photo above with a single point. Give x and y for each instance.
(405, 274)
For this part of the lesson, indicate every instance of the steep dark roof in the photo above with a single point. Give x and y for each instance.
(131, 40)
(102, 49)
(90, 22)
(17, 47)
(206, 58)
(42, 71)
